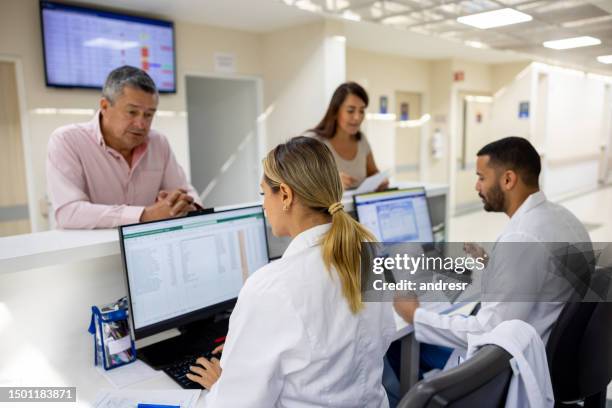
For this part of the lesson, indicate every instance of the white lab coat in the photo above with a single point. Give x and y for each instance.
(530, 385)
(537, 221)
(293, 341)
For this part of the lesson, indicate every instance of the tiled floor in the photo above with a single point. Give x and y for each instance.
(593, 209)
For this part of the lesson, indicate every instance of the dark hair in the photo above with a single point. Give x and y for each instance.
(515, 153)
(127, 76)
(327, 127)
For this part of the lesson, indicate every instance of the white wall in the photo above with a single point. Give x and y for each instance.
(575, 123)
(505, 120)
(384, 75)
(302, 66)
(567, 123)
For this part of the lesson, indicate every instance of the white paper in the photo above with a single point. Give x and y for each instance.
(117, 346)
(371, 183)
(131, 398)
(129, 374)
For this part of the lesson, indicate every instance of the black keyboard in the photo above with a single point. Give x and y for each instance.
(178, 371)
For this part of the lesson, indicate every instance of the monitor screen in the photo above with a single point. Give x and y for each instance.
(186, 269)
(395, 216)
(82, 46)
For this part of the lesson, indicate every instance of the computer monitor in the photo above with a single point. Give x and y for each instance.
(182, 270)
(395, 215)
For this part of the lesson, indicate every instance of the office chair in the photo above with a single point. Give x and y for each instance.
(579, 354)
(483, 380)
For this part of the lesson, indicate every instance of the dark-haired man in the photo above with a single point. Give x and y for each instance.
(115, 169)
(508, 171)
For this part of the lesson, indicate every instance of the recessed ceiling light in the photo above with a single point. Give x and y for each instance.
(605, 59)
(496, 18)
(574, 42)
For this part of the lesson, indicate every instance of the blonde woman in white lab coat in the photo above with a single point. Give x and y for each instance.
(300, 336)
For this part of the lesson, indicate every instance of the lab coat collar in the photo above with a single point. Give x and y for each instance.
(531, 202)
(306, 239)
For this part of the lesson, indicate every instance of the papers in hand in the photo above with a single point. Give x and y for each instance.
(131, 398)
(371, 183)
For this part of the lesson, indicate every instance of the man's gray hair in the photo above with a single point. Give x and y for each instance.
(127, 76)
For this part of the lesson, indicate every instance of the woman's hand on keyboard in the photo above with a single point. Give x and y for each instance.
(209, 372)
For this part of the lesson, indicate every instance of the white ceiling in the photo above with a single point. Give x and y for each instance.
(552, 20)
(247, 15)
(439, 38)
(388, 40)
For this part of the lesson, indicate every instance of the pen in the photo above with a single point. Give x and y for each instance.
(157, 406)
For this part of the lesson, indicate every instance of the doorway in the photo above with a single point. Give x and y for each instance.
(225, 138)
(474, 132)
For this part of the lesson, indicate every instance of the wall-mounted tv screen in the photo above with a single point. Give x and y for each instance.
(82, 45)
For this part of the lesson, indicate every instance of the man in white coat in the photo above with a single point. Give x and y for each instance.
(508, 172)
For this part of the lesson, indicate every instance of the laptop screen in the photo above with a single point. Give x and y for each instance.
(396, 215)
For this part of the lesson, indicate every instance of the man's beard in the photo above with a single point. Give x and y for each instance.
(494, 201)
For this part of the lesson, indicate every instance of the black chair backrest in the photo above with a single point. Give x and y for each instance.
(484, 378)
(579, 351)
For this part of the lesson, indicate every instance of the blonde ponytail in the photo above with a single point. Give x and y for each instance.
(308, 167)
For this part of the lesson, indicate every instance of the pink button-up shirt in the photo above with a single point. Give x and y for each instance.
(91, 185)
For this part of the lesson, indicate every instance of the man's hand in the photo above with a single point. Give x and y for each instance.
(406, 307)
(168, 204)
(207, 373)
(476, 251)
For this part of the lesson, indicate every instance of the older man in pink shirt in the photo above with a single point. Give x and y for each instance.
(114, 169)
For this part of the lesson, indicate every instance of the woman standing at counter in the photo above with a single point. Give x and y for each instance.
(340, 130)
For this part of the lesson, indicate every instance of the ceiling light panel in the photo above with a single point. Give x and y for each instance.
(496, 18)
(574, 42)
(605, 59)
